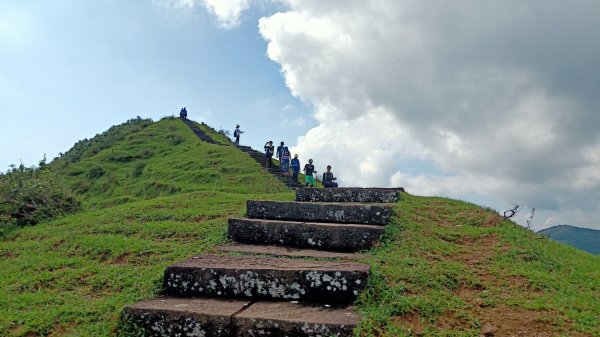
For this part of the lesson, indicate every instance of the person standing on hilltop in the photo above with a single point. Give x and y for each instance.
(269, 149)
(183, 113)
(295, 168)
(237, 133)
(309, 170)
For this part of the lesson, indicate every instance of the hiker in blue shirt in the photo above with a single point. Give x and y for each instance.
(295, 168)
(237, 134)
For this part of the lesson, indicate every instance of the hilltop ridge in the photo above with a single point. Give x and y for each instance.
(141, 160)
(157, 195)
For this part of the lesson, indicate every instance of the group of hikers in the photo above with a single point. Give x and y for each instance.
(183, 113)
(291, 166)
(285, 164)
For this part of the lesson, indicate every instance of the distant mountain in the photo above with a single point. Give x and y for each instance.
(582, 238)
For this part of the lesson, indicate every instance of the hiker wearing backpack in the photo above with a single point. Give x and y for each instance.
(237, 133)
(269, 149)
(309, 170)
(295, 168)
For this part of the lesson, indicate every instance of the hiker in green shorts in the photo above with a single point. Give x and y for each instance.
(309, 170)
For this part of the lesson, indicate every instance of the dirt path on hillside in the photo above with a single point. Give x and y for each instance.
(495, 320)
(480, 310)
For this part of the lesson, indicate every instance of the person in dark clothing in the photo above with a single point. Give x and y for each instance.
(295, 168)
(183, 113)
(269, 149)
(279, 154)
(309, 170)
(285, 161)
(328, 178)
(237, 133)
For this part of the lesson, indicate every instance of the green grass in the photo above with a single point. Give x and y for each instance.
(72, 276)
(443, 268)
(163, 159)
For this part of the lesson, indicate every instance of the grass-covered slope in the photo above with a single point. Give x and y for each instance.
(72, 276)
(444, 267)
(161, 159)
(450, 268)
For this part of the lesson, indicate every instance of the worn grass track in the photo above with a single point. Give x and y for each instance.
(451, 268)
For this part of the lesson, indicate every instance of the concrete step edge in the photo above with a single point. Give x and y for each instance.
(187, 317)
(267, 278)
(286, 251)
(310, 235)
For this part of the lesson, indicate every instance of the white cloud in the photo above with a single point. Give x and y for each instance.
(227, 12)
(484, 92)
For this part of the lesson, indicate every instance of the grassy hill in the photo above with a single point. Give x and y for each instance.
(141, 160)
(583, 238)
(154, 194)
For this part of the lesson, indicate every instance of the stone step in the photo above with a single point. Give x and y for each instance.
(320, 212)
(298, 320)
(206, 317)
(267, 278)
(281, 251)
(349, 194)
(171, 316)
(326, 236)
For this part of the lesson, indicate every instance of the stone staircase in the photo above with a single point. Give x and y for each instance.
(198, 132)
(256, 155)
(291, 271)
(274, 169)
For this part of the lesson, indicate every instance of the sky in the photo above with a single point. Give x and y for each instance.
(495, 102)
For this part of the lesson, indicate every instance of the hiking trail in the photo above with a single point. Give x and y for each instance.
(291, 270)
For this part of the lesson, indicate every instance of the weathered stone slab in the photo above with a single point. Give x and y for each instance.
(267, 278)
(320, 212)
(327, 236)
(185, 317)
(349, 194)
(288, 252)
(287, 319)
(193, 317)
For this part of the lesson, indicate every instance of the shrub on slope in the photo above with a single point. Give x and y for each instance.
(30, 195)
